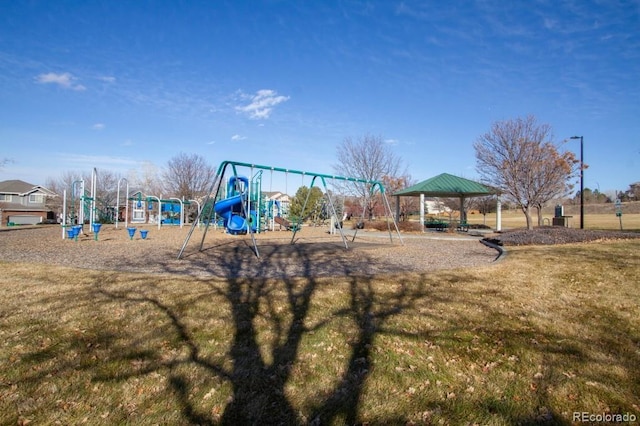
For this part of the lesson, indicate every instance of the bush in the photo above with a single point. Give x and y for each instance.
(381, 225)
(478, 226)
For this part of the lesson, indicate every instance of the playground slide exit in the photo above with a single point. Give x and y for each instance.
(233, 222)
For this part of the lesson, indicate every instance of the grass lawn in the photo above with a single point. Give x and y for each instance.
(541, 334)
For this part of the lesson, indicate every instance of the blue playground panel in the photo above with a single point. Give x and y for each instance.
(230, 209)
(173, 216)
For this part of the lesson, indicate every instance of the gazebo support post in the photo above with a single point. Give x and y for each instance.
(498, 213)
(422, 212)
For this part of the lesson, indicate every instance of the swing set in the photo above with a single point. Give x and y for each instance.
(239, 209)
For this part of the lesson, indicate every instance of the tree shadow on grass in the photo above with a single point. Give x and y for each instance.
(258, 374)
(258, 380)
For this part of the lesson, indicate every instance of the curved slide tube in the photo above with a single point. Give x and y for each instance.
(234, 223)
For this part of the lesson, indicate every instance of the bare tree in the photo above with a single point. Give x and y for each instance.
(105, 197)
(369, 158)
(485, 205)
(519, 159)
(187, 176)
(106, 192)
(146, 179)
(407, 204)
(59, 185)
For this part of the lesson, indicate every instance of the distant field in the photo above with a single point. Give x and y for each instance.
(597, 216)
(630, 222)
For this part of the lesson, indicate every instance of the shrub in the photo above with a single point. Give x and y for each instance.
(381, 225)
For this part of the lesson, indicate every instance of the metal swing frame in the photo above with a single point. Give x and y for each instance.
(207, 210)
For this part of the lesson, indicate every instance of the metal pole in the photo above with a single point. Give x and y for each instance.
(581, 179)
(82, 197)
(118, 203)
(126, 207)
(159, 208)
(94, 190)
(581, 183)
(64, 212)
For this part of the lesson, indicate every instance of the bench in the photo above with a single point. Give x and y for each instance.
(438, 225)
(463, 226)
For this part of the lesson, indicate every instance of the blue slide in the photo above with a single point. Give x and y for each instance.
(234, 222)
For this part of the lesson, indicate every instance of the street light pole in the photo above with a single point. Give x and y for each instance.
(581, 180)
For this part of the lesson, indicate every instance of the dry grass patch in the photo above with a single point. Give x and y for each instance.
(543, 333)
(592, 220)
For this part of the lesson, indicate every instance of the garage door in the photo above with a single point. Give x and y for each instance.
(25, 219)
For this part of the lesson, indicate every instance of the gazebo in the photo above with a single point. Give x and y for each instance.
(444, 186)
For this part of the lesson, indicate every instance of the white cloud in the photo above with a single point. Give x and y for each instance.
(262, 103)
(550, 23)
(392, 141)
(98, 126)
(64, 80)
(107, 79)
(238, 138)
(211, 142)
(74, 161)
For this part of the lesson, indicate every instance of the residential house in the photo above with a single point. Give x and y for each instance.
(278, 202)
(23, 203)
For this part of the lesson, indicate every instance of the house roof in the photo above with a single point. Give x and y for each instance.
(20, 187)
(446, 185)
(275, 195)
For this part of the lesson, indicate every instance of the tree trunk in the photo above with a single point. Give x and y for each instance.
(527, 214)
(539, 208)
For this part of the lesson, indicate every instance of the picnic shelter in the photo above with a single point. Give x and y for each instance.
(444, 186)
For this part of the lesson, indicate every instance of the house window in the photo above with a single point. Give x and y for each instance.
(5, 197)
(138, 216)
(36, 198)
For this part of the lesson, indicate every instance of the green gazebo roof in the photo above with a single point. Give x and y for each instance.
(447, 186)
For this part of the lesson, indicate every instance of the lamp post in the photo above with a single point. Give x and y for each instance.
(581, 180)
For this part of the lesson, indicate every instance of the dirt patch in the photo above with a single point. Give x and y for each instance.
(314, 254)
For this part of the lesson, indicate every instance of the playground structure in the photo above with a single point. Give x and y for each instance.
(244, 211)
(83, 207)
(170, 211)
(232, 209)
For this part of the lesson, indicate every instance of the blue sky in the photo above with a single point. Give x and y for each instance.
(115, 84)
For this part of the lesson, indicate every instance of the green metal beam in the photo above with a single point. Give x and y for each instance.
(233, 164)
(207, 208)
